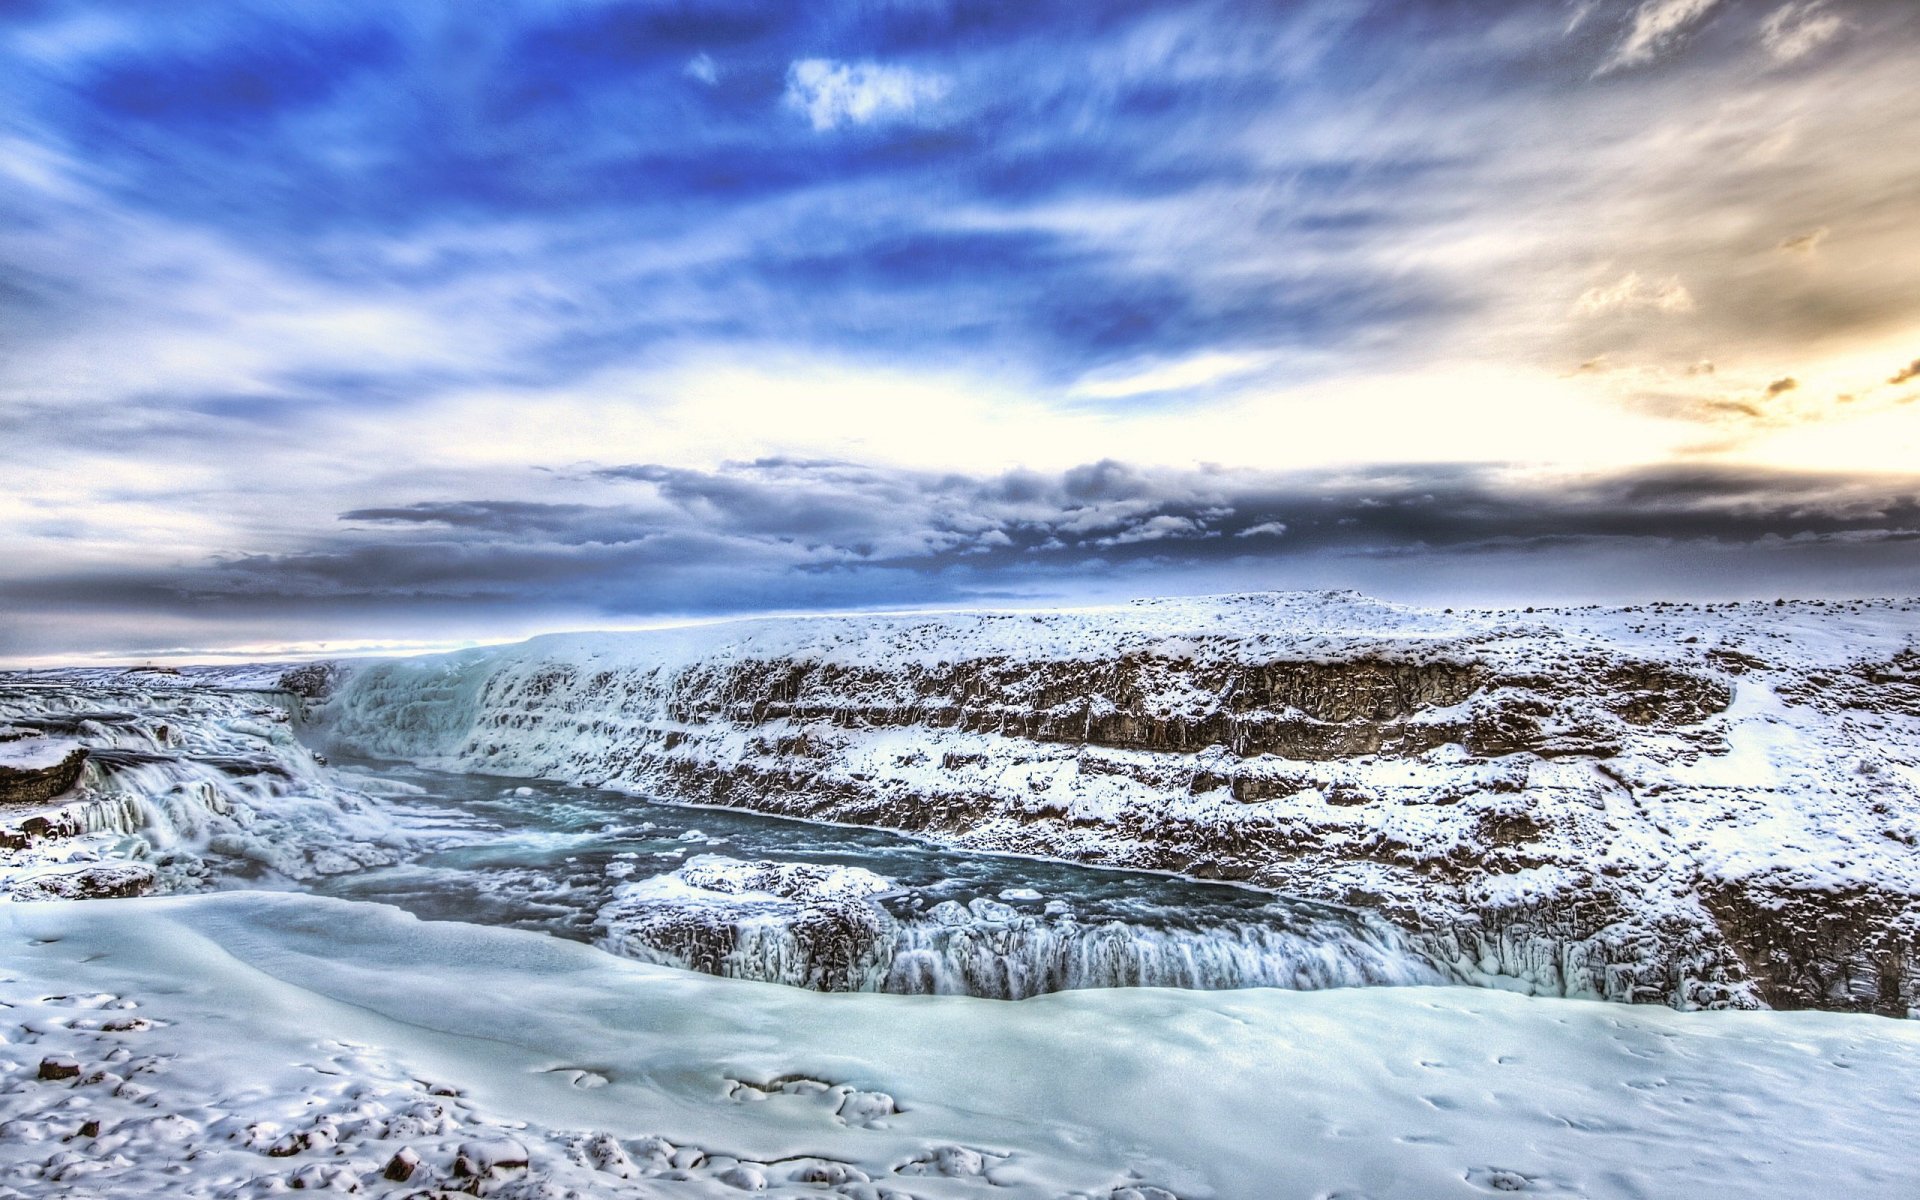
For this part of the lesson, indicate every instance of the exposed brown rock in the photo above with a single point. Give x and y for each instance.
(39, 784)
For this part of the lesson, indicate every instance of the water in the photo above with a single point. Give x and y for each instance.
(575, 862)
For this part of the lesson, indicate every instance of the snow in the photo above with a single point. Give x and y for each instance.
(803, 882)
(36, 753)
(240, 1022)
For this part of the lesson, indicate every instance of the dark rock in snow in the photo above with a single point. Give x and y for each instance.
(402, 1165)
(91, 881)
(59, 1066)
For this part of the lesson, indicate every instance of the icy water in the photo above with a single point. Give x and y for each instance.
(849, 909)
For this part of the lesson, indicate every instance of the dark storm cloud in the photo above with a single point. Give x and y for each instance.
(795, 533)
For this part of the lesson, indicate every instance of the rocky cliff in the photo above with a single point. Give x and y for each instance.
(1694, 805)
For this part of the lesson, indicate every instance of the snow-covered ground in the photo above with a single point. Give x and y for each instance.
(240, 1044)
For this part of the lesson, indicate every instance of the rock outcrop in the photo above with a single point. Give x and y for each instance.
(35, 770)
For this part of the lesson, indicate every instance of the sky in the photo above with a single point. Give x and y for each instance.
(350, 326)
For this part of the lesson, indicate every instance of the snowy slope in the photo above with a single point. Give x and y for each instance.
(265, 1034)
(1695, 804)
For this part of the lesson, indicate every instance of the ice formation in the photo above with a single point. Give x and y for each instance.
(1696, 805)
(821, 927)
(181, 787)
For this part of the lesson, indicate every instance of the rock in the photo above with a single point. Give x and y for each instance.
(312, 681)
(604, 1153)
(59, 1066)
(89, 881)
(483, 1160)
(744, 1177)
(721, 916)
(402, 1165)
(35, 770)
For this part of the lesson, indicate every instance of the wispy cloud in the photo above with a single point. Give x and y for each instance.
(1796, 30)
(264, 264)
(1178, 376)
(1631, 292)
(1655, 28)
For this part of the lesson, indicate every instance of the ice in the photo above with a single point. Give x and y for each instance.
(183, 789)
(822, 926)
(279, 1014)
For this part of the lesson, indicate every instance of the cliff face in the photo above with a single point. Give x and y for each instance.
(1699, 806)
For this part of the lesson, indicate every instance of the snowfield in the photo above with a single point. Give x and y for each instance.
(1697, 805)
(242, 1044)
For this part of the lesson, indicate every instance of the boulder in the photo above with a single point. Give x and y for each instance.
(34, 770)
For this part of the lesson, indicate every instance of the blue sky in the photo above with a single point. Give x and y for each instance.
(403, 324)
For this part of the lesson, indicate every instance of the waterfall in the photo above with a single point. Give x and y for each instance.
(195, 784)
(986, 949)
(744, 921)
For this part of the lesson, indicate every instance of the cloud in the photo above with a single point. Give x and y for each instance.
(1264, 529)
(648, 541)
(263, 264)
(1631, 292)
(1782, 386)
(1657, 26)
(1793, 31)
(1156, 528)
(1180, 375)
(1910, 371)
(832, 94)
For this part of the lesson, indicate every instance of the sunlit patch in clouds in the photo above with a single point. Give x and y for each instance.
(264, 265)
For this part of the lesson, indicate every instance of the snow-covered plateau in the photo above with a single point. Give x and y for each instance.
(1188, 840)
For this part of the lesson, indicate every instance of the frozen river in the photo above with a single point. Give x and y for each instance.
(846, 909)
